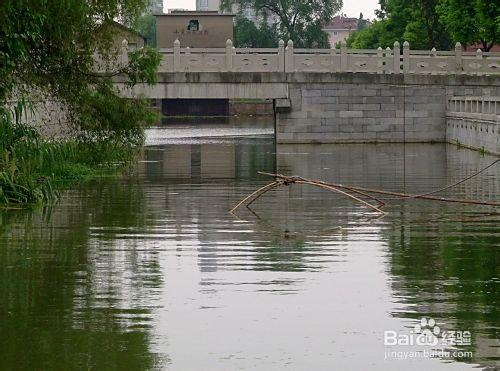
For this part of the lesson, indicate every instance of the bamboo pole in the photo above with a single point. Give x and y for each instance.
(331, 188)
(261, 190)
(377, 191)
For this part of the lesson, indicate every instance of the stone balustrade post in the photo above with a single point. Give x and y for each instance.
(380, 60)
(289, 57)
(281, 56)
(387, 60)
(229, 55)
(343, 57)
(406, 57)
(333, 66)
(397, 57)
(177, 55)
(458, 58)
(479, 57)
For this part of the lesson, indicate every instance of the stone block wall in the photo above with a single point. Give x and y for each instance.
(347, 108)
(332, 113)
(46, 115)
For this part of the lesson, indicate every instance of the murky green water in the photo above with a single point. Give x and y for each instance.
(151, 271)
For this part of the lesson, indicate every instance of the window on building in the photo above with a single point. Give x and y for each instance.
(193, 25)
(203, 3)
(335, 33)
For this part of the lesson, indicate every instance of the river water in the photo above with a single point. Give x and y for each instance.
(150, 271)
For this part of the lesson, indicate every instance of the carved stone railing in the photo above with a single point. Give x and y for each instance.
(290, 59)
(474, 122)
(476, 108)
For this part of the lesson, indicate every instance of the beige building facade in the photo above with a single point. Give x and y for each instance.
(194, 29)
(340, 28)
(207, 5)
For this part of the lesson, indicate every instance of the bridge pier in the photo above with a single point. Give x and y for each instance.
(367, 108)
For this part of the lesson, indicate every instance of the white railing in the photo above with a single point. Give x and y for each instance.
(474, 105)
(289, 59)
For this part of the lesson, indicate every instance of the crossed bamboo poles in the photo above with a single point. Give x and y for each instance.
(349, 191)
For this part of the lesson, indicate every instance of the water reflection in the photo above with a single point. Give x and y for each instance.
(74, 293)
(151, 271)
(442, 258)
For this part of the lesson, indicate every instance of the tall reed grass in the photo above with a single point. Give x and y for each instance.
(33, 169)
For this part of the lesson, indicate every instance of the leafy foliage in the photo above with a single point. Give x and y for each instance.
(248, 35)
(30, 164)
(427, 24)
(362, 23)
(40, 50)
(297, 20)
(146, 26)
(471, 21)
(415, 21)
(51, 47)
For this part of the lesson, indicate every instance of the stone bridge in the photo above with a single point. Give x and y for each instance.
(342, 95)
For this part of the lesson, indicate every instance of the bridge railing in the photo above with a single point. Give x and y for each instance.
(289, 59)
(478, 105)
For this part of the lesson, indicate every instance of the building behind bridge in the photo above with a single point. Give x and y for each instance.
(341, 27)
(209, 29)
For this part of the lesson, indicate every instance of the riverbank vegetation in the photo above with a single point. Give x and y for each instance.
(34, 168)
(51, 47)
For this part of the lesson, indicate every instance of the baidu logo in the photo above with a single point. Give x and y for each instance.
(424, 333)
(427, 332)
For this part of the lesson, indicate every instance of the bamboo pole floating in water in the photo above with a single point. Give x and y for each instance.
(286, 181)
(334, 189)
(257, 194)
(294, 178)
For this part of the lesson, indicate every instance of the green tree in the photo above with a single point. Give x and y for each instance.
(413, 20)
(371, 37)
(299, 20)
(471, 21)
(248, 35)
(50, 46)
(361, 22)
(146, 26)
